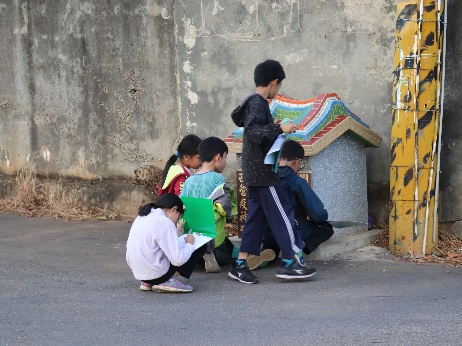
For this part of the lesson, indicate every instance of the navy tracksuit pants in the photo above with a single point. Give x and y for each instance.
(269, 206)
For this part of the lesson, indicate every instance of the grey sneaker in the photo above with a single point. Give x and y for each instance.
(173, 285)
(255, 261)
(211, 264)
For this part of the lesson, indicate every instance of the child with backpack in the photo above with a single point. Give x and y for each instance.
(209, 183)
(177, 168)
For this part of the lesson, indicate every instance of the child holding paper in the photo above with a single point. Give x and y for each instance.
(268, 204)
(155, 254)
(209, 183)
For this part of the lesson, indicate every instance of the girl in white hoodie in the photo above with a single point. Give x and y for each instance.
(155, 253)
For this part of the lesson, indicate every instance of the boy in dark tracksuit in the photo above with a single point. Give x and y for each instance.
(310, 214)
(268, 205)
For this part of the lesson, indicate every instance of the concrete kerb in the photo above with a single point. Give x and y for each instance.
(335, 246)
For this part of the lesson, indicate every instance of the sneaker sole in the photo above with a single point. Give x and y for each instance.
(212, 268)
(144, 288)
(211, 265)
(294, 277)
(244, 282)
(254, 261)
(170, 290)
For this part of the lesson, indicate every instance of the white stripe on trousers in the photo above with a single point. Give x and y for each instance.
(286, 219)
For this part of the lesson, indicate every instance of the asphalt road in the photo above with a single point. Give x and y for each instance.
(67, 283)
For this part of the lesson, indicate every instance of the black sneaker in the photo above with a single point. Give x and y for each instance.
(242, 273)
(295, 271)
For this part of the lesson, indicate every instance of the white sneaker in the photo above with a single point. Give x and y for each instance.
(211, 264)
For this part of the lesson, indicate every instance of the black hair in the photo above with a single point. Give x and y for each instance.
(292, 150)
(210, 147)
(168, 201)
(267, 71)
(188, 146)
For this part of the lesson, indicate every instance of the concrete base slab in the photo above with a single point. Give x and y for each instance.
(236, 241)
(347, 230)
(456, 229)
(336, 246)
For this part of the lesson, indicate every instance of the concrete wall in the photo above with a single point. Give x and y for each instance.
(88, 88)
(451, 151)
(95, 89)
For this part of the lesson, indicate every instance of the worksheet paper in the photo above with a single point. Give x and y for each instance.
(199, 239)
(272, 155)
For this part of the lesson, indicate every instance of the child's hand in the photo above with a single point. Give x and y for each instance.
(189, 239)
(289, 128)
(180, 228)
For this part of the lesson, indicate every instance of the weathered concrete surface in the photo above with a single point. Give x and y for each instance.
(338, 246)
(96, 89)
(88, 88)
(451, 151)
(456, 229)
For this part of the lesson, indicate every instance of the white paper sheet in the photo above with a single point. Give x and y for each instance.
(270, 157)
(199, 239)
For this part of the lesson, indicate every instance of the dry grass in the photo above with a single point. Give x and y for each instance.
(32, 198)
(149, 176)
(448, 250)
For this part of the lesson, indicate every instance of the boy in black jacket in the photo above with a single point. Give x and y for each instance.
(310, 215)
(268, 205)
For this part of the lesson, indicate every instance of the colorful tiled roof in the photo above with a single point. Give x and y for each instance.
(321, 119)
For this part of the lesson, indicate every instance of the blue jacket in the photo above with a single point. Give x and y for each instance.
(307, 205)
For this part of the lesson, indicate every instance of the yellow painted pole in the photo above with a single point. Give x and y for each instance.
(415, 128)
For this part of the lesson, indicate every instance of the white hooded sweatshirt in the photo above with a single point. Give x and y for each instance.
(153, 244)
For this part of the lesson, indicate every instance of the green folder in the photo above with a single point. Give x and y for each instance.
(199, 216)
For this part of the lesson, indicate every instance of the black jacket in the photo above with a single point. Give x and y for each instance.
(260, 132)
